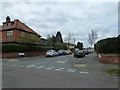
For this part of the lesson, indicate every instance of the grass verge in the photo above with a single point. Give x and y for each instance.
(114, 72)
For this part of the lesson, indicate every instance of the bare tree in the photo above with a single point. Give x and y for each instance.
(68, 39)
(92, 37)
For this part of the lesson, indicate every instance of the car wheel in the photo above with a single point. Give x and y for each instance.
(75, 56)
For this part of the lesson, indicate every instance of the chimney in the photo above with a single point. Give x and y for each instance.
(7, 19)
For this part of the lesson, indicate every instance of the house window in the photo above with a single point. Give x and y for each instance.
(9, 23)
(22, 33)
(5, 24)
(9, 33)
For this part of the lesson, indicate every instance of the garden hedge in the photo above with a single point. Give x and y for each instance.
(23, 48)
(109, 45)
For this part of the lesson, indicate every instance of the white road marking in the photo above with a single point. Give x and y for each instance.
(71, 70)
(31, 66)
(28, 66)
(50, 68)
(84, 72)
(59, 69)
(40, 67)
(60, 61)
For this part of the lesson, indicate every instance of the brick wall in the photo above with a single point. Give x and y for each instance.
(16, 34)
(109, 58)
(16, 54)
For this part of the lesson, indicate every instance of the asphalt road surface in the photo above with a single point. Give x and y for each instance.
(52, 72)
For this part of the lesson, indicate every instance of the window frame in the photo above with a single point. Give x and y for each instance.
(22, 33)
(9, 34)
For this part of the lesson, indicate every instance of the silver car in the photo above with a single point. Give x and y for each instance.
(51, 53)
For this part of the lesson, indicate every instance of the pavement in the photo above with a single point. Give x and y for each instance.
(91, 64)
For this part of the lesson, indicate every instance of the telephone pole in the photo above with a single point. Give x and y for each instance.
(74, 42)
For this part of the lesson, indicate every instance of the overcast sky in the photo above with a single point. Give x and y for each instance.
(78, 18)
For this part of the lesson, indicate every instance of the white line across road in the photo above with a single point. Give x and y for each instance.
(84, 72)
(60, 61)
(71, 70)
(52, 68)
(40, 67)
(59, 69)
(49, 68)
(31, 66)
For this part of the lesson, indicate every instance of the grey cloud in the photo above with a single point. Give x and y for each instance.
(78, 18)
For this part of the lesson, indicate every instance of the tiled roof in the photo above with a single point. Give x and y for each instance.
(24, 26)
(19, 25)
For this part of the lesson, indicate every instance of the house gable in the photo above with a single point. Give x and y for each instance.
(17, 25)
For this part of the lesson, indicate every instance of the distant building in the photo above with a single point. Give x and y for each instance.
(11, 31)
(70, 46)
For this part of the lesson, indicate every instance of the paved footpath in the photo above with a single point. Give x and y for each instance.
(91, 64)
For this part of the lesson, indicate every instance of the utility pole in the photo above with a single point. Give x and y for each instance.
(74, 42)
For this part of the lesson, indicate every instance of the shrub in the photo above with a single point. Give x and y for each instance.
(109, 45)
(23, 48)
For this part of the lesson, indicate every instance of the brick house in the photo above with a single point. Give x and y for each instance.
(11, 31)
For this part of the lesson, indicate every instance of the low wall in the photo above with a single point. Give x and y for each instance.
(18, 54)
(109, 58)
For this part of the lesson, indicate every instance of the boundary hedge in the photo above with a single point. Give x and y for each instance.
(109, 45)
(23, 48)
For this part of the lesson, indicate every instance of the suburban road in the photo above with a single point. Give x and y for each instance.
(56, 72)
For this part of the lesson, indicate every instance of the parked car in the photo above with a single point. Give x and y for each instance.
(79, 53)
(69, 52)
(52, 53)
(86, 52)
(61, 52)
(66, 52)
(90, 50)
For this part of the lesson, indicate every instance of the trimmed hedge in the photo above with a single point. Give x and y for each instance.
(109, 45)
(23, 48)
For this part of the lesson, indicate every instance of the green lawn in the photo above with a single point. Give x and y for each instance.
(114, 71)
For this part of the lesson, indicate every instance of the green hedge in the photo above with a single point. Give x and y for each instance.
(109, 45)
(23, 48)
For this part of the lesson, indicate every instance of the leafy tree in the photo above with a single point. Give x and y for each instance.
(29, 39)
(60, 45)
(59, 37)
(53, 40)
(80, 45)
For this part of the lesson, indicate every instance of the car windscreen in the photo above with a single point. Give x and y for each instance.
(50, 51)
(79, 51)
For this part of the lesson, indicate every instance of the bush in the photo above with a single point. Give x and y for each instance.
(23, 48)
(109, 45)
